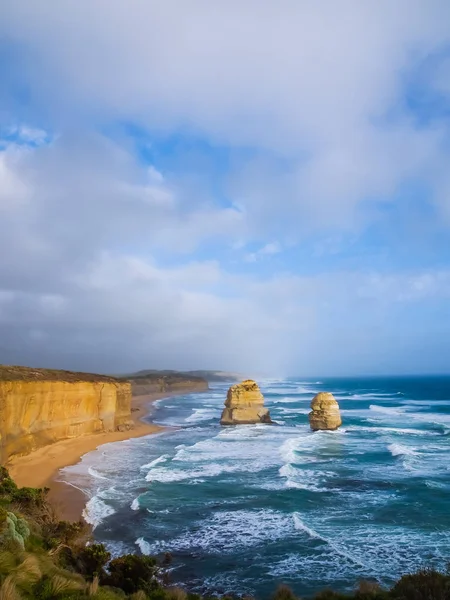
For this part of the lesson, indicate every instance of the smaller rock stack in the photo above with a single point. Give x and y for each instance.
(325, 412)
(245, 405)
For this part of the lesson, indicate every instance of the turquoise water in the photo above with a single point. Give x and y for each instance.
(244, 508)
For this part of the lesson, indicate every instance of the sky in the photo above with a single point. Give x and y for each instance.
(254, 186)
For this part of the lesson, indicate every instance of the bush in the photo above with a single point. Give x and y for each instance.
(284, 592)
(14, 530)
(33, 497)
(426, 584)
(93, 559)
(132, 573)
(7, 486)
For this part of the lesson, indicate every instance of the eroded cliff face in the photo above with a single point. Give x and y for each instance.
(37, 408)
(245, 405)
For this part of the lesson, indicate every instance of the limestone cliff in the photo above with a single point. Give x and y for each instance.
(245, 404)
(41, 406)
(325, 412)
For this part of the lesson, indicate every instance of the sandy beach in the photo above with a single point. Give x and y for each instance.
(40, 468)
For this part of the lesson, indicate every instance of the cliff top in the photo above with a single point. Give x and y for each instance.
(169, 378)
(213, 376)
(15, 373)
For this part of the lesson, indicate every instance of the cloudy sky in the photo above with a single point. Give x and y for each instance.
(254, 185)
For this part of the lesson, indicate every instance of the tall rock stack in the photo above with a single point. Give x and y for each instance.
(325, 412)
(245, 405)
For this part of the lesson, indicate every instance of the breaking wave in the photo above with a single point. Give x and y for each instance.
(96, 510)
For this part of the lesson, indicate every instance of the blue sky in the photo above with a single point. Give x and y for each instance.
(259, 186)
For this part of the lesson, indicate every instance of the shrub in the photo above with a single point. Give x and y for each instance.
(93, 559)
(176, 593)
(370, 590)
(132, 573)
(330, 595)
(7, 486)
(64, 532)
(14, 530)
(284, 592)
(31, 497)
(426, 584)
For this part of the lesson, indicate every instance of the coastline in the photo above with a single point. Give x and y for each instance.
(41, 467)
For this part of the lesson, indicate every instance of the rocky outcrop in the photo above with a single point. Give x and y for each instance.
(245, 404)
(41, 406)
(325, 412)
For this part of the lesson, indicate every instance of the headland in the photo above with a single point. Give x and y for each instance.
(53, 419)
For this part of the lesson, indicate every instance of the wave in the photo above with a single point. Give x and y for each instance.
(400, 450)
(153, 463)
(304, 479)
(294, 411)
(388, 410)
(436, 485)
(144, 546)
(202, 414)
(306, 390)
(164, 475)
(94, 473)
(284, 400)
(135, 504)
(96, 511)
(381, 429)
(426, 403)
(300, 526)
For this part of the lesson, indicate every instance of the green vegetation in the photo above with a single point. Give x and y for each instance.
(148, 382)
(223, 376)
(16, 373)
(42, 558)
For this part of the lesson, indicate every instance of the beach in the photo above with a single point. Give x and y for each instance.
(40, 468)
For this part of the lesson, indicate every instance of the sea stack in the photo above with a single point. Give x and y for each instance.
(325, 412)
(245, 405)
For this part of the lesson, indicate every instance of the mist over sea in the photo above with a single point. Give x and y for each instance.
(244, 508)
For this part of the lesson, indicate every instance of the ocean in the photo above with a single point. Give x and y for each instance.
(244, 508)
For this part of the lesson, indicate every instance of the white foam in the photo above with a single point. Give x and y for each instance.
(381, 429)
(387, 410)
(135, 504)
(306, 390)
(144, 546)
(292, 411)
(202, 414)
(96, 511)
(300, 526)
(284, 400)
(94, 473)
(435, 485)
(170, 475)
(155, 462)
(288, 449)
(400, 450)
(304, 479)
(226, 531)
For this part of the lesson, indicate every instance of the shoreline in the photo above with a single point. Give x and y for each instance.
(41, 467)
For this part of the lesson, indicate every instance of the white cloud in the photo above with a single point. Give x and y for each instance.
(267, 250)
(307, 83)
(24, 134)
(115, 263)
